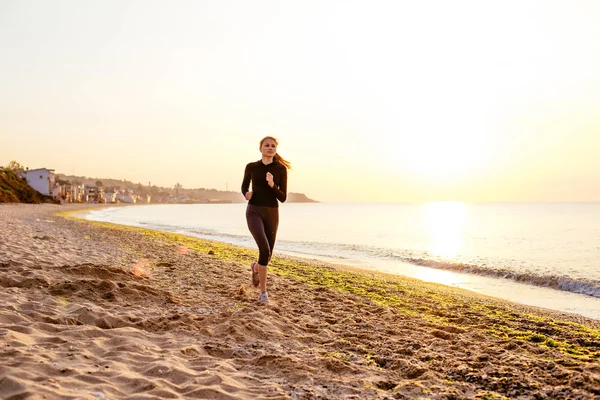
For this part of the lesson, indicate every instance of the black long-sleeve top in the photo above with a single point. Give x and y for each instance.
(263, 194)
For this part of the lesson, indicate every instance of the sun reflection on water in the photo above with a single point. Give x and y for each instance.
(444, 223)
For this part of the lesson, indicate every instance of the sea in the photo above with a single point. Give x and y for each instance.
(540, 254)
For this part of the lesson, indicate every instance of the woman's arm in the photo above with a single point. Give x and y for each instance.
(281, 188)
(246, 181)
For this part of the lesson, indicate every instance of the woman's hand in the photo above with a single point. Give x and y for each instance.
(248, 195)
(270, 179)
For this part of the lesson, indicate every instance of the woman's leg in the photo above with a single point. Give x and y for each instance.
(271, 223)
(256, 225)
(262, 277)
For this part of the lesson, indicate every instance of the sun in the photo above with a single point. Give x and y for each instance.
(443, 157)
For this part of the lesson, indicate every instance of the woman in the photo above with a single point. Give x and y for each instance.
(269, 185)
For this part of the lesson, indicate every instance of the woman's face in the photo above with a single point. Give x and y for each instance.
(268, 148)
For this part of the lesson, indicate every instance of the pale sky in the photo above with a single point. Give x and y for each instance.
(371, 100)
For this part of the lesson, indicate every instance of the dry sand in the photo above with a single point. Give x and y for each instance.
(93, 312)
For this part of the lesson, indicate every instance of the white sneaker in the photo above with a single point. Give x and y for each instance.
(263, 298)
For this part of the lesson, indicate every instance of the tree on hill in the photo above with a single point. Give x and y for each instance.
(140, 190)
(14, 167)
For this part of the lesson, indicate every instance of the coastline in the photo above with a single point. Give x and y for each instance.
(559, 285)
(92, 307)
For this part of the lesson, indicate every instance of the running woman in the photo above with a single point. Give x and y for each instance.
(269, 185)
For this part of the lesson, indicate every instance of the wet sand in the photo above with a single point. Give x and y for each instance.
(94, 311)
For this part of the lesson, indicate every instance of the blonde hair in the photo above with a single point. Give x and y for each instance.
(277, 157)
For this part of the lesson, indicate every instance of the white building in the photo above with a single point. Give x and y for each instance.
(41, 179)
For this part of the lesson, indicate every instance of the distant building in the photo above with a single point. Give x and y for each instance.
(93, 194)
(115, 189)
(78, 191)
(125, 196)
(65, 192)
(41, 179)
(70, 193)
(110, 196)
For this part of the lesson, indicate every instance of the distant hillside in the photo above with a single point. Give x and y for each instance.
(299, 198)
(83, 180)
(160, 194)
(16, 190)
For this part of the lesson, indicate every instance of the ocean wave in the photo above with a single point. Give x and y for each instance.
(559, 282)
(553, 281)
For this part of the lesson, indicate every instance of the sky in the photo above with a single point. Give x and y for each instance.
(371, 100)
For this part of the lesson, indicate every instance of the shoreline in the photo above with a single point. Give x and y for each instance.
(92, 307)
(561, 293)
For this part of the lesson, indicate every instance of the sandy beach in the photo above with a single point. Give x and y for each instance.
(96, 311)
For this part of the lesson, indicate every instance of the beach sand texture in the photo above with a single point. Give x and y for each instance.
(95, 311)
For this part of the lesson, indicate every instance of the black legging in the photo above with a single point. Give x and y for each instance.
(262, 223)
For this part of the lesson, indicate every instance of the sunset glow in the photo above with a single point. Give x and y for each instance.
(391, 101)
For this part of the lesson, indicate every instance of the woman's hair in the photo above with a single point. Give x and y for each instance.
(277, 157)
